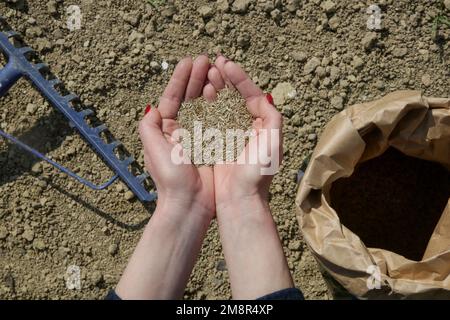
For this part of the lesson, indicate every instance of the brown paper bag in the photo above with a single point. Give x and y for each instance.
(418, 127)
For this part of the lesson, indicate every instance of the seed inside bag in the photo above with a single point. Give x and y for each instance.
(393, 202)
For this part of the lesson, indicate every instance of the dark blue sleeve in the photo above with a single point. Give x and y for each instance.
(285, 294)
(112, 295)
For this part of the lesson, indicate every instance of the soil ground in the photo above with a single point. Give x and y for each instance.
(316, 57)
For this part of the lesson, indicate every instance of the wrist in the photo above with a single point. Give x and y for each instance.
(243, 205)
(180, 209)
(177, 225)
(244, 213)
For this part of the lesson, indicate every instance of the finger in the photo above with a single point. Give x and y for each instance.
(209, 92)
(198, 76)
(220, 64)
(207, 174)
(265, 148)
(257, 124)
(271, 118)
(215, 78)
(257, 103)
(174, 93)
(150, 131)
(169, 126)
(240, 80)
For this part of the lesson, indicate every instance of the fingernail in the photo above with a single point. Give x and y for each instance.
(205, 54)
(147, 109)
(219, 54)
(226, 61)
(270, 98)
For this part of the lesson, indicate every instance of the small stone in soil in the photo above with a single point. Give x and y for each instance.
(328, 6)
(31, 108)
(426, 80)
(222, 5)
(3, 233)
(39, 245)
(369, 40)
(299, 56)
(337, 102)
(206, 11)
(240, 6)
(447, 4)
(113, 249)
(399, 52)
(295, 245)
(28, 235)
(129, 195)
(283, 92)
(311, 65)
(36, 168)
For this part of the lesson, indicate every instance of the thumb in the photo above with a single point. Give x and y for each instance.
(150, 130)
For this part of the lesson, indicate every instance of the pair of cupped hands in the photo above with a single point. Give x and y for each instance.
(206, 190)
(190, 197)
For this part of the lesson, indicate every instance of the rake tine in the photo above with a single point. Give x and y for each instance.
(114, 144)
(128, 161)
(71, 97)
(86, 112)
(12, 34)
(54, 82)
(41, 66)
(142, 177)
(25, 50)
(100, 128)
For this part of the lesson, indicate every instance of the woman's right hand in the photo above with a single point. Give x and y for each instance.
(182, 184)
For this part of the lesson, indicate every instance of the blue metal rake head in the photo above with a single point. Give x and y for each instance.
(19, 66)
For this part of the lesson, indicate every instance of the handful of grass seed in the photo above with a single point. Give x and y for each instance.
(215, 131)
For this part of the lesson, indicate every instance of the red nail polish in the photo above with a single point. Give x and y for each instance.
(270, 98)
(147, 109)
